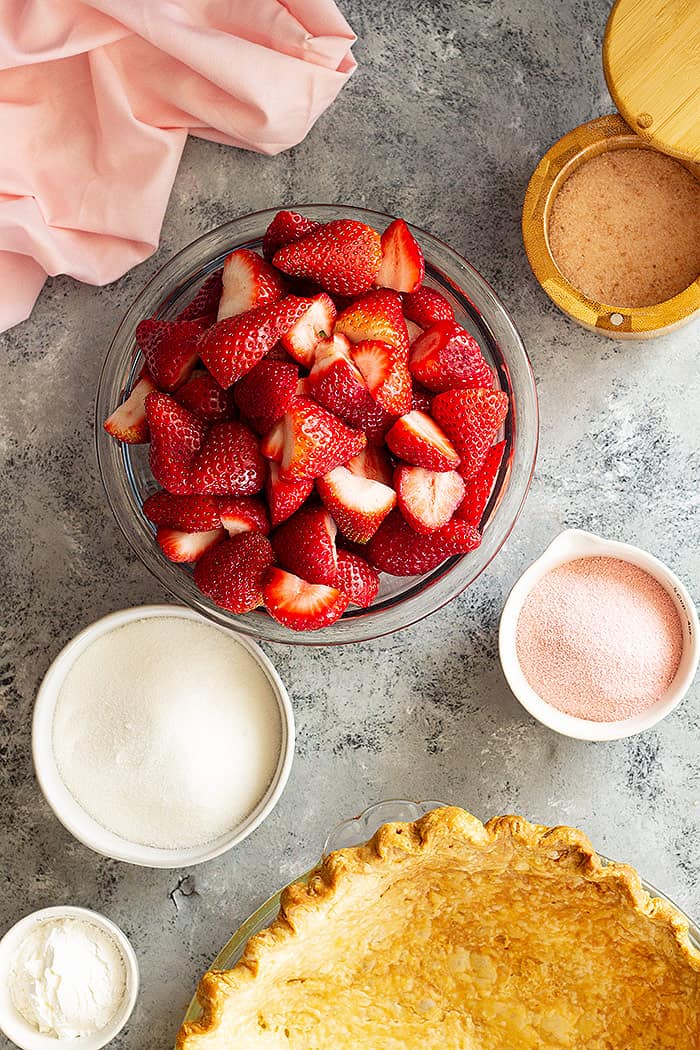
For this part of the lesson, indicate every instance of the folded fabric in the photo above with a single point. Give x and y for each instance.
(97, 99)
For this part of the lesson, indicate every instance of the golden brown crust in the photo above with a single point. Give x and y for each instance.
(437, 853)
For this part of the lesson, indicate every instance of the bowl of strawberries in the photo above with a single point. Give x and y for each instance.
(316, 425)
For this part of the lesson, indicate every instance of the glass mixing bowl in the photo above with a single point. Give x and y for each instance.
(401, 601)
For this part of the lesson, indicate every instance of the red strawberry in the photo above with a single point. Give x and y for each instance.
(356, 579)
(422, 398)
(248, 281)
(300, 605)
(373, 463)
(285, 228)
(447, 357)
(301, 338)
(386, 375)
(186, 546)
(359, 505)
(272, 444)
(372, 420)
(343, 256)
(128, 421)
(285, 497)
(206, 302)
(170, 350)
(377, 315)
(418, 440)
(243, 514)
(185, 513)
(462, 537)
(426, 306)
(479, 486)
(203, 396)
(305, 545)
(266, 392)
(427, 498)
(471, 419)
(395, 548)
(228, 463)
(315, 441)
(232, 573)
(334, 381)
(176, 437)
(402, 265)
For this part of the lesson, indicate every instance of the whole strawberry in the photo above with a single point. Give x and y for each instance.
(343, 256)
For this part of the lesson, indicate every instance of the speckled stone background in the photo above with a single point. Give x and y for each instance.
(451, 107)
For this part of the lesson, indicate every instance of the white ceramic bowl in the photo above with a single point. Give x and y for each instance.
(575, 543)
(71, 814)
(24, 1034)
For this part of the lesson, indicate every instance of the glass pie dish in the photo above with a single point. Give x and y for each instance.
(401, 601)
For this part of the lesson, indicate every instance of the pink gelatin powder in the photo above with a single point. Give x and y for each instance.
(599, 639)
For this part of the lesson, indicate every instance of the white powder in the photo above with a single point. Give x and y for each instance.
(167, 732)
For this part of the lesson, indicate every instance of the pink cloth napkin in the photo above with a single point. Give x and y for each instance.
(97, 99)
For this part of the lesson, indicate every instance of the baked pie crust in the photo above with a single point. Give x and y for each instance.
(447, 933)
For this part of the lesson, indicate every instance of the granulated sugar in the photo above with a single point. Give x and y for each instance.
(599, 638)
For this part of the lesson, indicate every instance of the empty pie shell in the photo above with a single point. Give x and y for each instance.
(454, 934)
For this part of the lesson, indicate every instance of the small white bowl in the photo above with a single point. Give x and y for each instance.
(72, 815)
(576, 543)
(20, 1031)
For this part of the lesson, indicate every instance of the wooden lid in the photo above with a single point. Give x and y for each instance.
(651, 59)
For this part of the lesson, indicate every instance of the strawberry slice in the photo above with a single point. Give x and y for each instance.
(186, 546)
(243, 514)
(247, 282)
(377, 315)
(184, 513)
(427, 498)
(128, 422)
(301, 338)
(471, 419)
(285, 497)
(447, 357)
(205, 304)
(315, 441)
(373, 463)
(426, 306)
(386, 375)
(228, 463)
(334, 381)
(266, 392)
(479, 486)
(176, 437)
(356, 578)
(272, 444)
(418, 439)
(232, 573)
(299, 605)
(395, 548)
(285, 228)
(203, 396)
(305, 545)
(170, 350)
(359, 505)
(403, 267)
(343, 256)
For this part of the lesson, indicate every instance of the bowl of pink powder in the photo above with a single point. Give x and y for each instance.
(598, 639)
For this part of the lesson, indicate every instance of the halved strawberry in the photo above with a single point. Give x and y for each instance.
(334, 381)
(301, 338)
(128, 422)
(300, 605)
(305, 545)
(343, 256)
(427, 498)
(402, 267)
(356, 578)
(471, 420)
(232, 573)
(426, 306)
(372, 462)
(315, 441)
(176, 437)
(186, 546)
(205, 304)
(377, 315)
(243, 514)
(385, 373)
(185, 513)
(417, 439)
(272, 444)
(285, 228)
(203, 396)
(170, 350)
(395, 547)
(248, 281)
(359, 505)
(266, 392)
(447, 357)
(285, 497)
(228, 463)
(479, 486)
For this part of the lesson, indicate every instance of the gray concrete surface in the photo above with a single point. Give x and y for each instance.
(451, 107)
